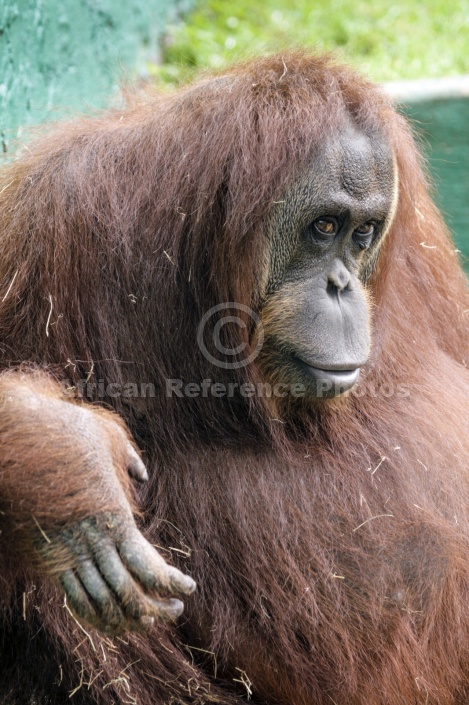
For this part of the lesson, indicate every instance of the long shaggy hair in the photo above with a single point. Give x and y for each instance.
(331, 548)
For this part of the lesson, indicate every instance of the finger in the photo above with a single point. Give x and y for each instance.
(77, 597)
(100, 595)
(167, 610)
(136, 468)
(150, 568)
(141, 609)
(118, 578)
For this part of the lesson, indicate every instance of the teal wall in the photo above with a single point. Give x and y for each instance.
(439, 111)
(443, 125)
(60, 56)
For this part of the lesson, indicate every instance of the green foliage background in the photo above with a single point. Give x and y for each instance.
(386, 40)
(401, 39)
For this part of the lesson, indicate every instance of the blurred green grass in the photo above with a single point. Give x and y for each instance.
(387, 41)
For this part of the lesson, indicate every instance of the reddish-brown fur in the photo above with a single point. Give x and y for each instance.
(331, 549)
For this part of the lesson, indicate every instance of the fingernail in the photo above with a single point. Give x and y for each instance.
(182, 582)
(176, 607)
(137, 470)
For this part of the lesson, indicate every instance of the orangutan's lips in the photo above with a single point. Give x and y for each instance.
(343, 378)
(337, 379)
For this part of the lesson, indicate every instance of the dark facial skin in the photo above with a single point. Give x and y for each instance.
(323, 235)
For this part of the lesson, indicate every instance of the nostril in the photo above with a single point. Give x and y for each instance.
(331, 288)
(339, 278)
(335, 284)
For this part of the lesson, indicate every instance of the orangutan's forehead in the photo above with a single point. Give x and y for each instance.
(357, 162)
